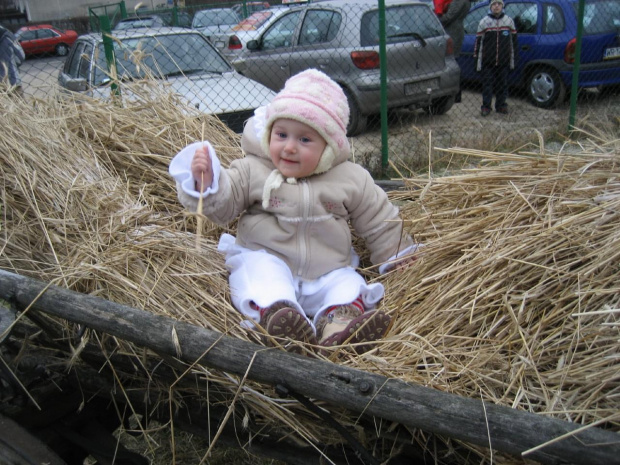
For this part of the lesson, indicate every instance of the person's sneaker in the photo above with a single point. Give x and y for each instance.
(502, 110)
(485, 111)
(288, 323)
(348, 323)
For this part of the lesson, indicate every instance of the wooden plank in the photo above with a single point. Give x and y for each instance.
(470, 420)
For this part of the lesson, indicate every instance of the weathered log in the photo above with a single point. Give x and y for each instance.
(480, 423)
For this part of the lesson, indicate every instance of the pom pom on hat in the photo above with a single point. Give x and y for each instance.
(313, 98)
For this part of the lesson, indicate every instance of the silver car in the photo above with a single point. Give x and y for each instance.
(215, 20)
(182, 59)
(233, 44)
(341, 38)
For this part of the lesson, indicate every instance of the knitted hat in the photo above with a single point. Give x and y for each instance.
(497, 1)
(313, 98)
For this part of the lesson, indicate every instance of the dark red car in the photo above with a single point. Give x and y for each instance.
(45, 38)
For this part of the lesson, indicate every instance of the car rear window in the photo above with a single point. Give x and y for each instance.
(402, 23)
(600, 17)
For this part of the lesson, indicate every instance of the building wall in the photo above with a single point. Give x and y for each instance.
(47, 10)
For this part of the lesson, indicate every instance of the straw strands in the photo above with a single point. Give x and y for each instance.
(513, 299)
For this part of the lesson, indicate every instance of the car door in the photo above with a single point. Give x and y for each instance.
(46, 41)
(28, 41)
(312, 49)
(269, 64)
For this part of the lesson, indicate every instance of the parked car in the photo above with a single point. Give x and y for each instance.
(182, 59)
(140, 21)
(45, 38)
(215, 20)
(250, 7)
(233, 44)
(183, 18)
(340, 38)
(547, 31)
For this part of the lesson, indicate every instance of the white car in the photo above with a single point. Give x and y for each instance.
(233, 44)
(183, 59)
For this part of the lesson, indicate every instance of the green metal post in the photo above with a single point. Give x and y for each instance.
(175, 16)
(108, 47)
(576, 66)
(383, 71)
(245, 9)
(123, 9)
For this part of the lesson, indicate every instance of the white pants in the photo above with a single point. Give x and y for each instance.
(264, 279)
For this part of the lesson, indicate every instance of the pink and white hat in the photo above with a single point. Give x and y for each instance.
(313, 98)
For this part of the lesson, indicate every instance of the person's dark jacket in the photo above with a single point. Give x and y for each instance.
(11, 54)
(496, 42)
(452, 21)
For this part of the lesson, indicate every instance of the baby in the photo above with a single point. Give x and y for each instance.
(292, 266)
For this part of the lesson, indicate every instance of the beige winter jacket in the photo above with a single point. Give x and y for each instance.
(306, 224)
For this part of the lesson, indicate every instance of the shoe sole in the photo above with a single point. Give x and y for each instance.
(365, 328)
(288, 323)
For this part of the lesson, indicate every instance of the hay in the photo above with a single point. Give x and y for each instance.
(514, 299)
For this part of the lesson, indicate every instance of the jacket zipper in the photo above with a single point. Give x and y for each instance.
(305, 213)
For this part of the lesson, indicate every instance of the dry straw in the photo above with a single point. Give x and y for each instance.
(514, 299)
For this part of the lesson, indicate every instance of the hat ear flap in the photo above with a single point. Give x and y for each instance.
(327, 160)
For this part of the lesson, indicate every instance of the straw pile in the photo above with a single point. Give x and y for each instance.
(514, 299)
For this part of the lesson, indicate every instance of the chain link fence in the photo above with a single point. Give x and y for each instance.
(405, 109)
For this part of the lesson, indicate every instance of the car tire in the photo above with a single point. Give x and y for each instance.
(62, 50)
(440, 106)
(357, 121)
(545, 89)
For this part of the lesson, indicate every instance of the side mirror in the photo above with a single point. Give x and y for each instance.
(253, 45)
(76, 84)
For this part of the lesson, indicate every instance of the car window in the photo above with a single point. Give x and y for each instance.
(72, 63)
(280, 34)
(84, 61)
(600, 17)
(215, 18)
(524, 15)
(46, 34)
(554, 22)
(28, 35)
(402, 24)
(319, 26)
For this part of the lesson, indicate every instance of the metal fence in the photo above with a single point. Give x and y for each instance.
(404, 109)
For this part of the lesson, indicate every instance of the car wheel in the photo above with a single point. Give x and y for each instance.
(545, 88)
(440, 106)
(62, 50)
(357, 121)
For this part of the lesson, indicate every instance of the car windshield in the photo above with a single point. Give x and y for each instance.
(138, 22)
(207, 18)
(161, 56)
(600, 17)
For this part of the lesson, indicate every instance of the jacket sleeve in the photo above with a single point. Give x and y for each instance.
(224, 200)
(18, 53)
(377, 220)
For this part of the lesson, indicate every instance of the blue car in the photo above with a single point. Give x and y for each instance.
(547, 32)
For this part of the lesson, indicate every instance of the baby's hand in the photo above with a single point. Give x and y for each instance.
(201, 169)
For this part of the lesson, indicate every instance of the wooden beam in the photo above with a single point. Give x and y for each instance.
(470, 420)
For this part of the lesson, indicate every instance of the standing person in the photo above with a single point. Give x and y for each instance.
(452, 21)
(292, 266)
(495, 52)
(11, 56)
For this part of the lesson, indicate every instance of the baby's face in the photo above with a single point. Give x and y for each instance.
(295, 148)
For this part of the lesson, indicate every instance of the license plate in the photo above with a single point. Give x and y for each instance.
(421, 87)
(611, 53)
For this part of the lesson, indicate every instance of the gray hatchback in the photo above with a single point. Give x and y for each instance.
(341, 38)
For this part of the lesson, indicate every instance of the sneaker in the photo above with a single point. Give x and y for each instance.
(502, 110)
(348, 323)
(287, 323)
(485, 111)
